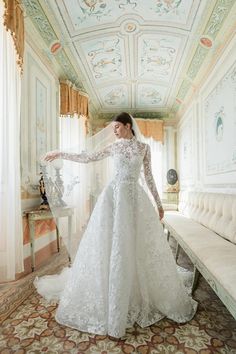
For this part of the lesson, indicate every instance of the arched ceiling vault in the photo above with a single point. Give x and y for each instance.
(140, 56)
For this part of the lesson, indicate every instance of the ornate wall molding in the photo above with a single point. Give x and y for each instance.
(37, 15)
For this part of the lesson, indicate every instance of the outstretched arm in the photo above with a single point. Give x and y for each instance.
(150, 180)
(84, 157)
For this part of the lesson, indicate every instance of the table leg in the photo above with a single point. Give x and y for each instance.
(177, 252)
(58, 236)
(168, 235)
(32, 245)
(69, 236)
(196, 275)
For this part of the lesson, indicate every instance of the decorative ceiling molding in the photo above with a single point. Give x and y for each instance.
(143, 57)
(144, 114)
(95, 15)
(219, 14)
(37, 15)
(206, 41)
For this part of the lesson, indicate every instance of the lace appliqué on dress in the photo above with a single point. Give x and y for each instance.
(124, 271)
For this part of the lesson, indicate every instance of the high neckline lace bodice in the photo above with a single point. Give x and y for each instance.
(128, 140)
(129, 155)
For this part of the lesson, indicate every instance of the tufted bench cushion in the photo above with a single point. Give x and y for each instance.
(205, 227)
(214, 210)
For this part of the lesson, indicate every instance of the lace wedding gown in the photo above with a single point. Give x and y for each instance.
(124, 271)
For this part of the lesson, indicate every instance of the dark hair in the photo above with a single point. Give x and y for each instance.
(124, 118)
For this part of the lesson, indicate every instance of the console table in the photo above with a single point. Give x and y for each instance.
(40, 214)
(170, 200)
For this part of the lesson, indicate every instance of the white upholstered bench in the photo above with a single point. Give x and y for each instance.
(205, 228)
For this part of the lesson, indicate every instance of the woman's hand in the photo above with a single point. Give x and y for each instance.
(52, 155)
(161, 212)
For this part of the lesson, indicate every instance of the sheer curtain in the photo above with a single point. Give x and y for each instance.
(72, 138)
(11, 238)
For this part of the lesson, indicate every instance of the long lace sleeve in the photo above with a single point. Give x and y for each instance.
(149, 177)
(85, 157)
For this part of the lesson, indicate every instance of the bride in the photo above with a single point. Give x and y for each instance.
(124, 271)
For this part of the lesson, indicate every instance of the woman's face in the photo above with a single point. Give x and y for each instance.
(121, 130)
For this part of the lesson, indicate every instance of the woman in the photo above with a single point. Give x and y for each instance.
(124, 271)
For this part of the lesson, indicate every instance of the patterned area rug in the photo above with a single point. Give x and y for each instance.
(14, 293)
(31, 328)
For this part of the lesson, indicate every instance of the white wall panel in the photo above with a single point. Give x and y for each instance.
(39, 119)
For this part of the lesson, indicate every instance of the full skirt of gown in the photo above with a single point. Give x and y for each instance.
(124, 271)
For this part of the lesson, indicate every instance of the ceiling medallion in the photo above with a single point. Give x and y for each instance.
(130, 27)
(206, 42)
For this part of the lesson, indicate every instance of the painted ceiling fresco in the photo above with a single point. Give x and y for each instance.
(130, 54)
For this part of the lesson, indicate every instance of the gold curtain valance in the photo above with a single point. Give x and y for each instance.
(72, 100)
(14, 22)
(151, 128)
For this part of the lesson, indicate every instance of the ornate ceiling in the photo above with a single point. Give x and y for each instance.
(140, 56)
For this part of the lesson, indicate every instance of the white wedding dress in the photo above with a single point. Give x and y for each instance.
(124, 271)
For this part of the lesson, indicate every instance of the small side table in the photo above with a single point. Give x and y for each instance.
(170, 200)
(38, 214)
